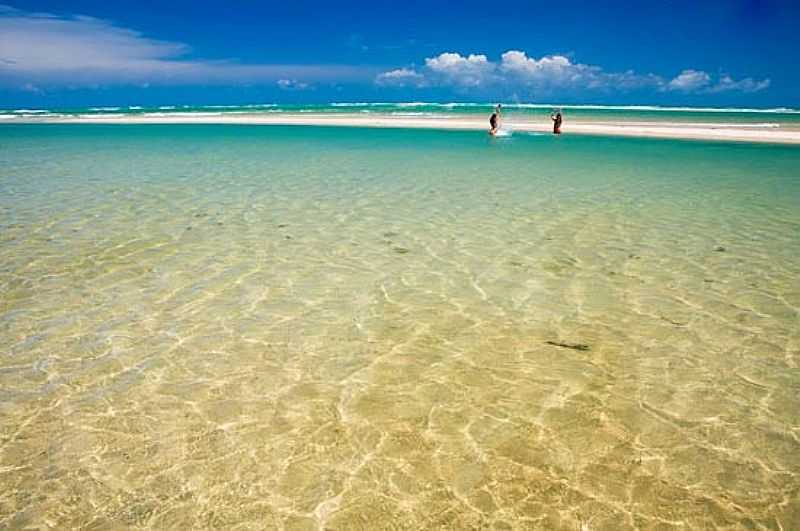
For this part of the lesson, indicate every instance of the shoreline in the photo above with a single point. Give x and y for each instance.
(757, 133)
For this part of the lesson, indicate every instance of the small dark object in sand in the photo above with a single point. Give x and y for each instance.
(573, 346)
(720, 249)
(200, 215)
(283, 225)
(390, 234)
(219, 223)
(400, 250)
(288, 237)
(188, 228)
(673, 321)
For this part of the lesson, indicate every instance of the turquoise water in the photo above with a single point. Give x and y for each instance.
(299, 327)
(775, 117)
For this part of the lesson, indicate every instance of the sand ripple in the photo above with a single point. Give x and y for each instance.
(356, 332)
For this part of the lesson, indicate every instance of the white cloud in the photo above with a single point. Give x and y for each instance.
(558, 71)
(519, 64)
(698, 81)
(747, 84)
(689, 81)
(292, 84)
(516, 70)
(401, 77)
(44, 49)
(470, 71)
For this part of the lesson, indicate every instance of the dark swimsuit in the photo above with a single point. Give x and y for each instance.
(493, 121)
(557, 125)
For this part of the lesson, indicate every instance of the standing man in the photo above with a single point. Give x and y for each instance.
(494, 120)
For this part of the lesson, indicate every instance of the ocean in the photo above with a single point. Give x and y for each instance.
(342, 328)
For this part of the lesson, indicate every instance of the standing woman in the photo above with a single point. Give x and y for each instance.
(556, 117)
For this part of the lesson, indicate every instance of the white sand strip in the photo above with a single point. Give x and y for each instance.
(746, 132)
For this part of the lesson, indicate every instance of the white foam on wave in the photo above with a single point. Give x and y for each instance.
(181, 114)
(656, 108)
(246, 106)
(45, 114)
(104, 108)
(30, 111)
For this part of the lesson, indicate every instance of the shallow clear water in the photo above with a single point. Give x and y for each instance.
(211, 326)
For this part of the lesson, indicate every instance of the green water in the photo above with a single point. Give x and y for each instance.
(305, 328)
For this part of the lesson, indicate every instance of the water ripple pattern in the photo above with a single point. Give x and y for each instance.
(321, 328)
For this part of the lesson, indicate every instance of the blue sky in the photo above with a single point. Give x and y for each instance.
(87, 52)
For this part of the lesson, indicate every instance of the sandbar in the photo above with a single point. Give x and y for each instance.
(739, 132)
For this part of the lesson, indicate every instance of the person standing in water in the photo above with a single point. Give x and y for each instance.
(494, 120)
(556, 117)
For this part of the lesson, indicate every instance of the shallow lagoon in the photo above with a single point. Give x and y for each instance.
(212, 326)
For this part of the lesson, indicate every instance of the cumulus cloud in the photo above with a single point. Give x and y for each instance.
(516, 69)
(518, 63)
(401, 77)
(470, 71)
(558, 71)
(689, 81)
(44, 49)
